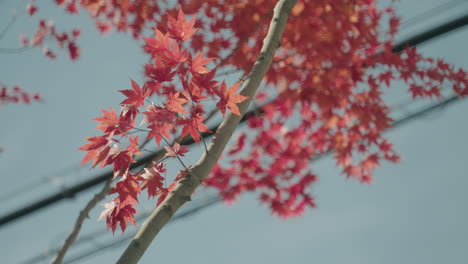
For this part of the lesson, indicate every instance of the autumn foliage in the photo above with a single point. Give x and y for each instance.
(324, 92)
(180, 110)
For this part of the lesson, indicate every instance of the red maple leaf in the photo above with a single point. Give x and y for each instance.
(103, 26)
(176, 150)
(159, 44)
(206, 81)
(111, 123)
(98, 148)
(229, 98)
(117, 214)
(239, 144)
(192, 126)
(108, 121)
(133, 146)
(161, 73)
(152, 180)
(98, 155)
(31, 9)
(175, 103)
(160, 131)
(180, 29)
(193, 92)
(73, 50)
(198, 63)
(160, 49)
(136, 96)
(128, 189)
(120, 159)
(171, 57)
(157, 114)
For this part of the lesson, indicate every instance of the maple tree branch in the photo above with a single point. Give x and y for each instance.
(79, 222)
(12, 20)
(185, 187)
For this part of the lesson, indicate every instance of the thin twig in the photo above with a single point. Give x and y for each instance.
(165, 140)
(176, 155)
(14, 50)
(79, 222)
(13, 19)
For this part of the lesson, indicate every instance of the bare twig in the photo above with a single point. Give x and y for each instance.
(185, 188)
(79, 222)
(14, 50)
(13, 19)
(176, 155)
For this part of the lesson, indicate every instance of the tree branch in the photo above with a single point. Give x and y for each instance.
(184, 189)
(14, 50)
(10, 23)
(79, 222)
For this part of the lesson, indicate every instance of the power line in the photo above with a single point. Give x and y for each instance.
(56, 178)
(432, 33)
(425, 36)
(203, 204)
(430, 13)
(91, 236)
(73, 190)
(213, 200)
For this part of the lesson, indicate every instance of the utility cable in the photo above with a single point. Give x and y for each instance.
(56, 179)
(215, 199)
(203, 204)
(430, 13)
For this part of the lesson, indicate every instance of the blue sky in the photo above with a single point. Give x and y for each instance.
(414, 212)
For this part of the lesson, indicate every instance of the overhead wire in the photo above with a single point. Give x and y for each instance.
(215, 199)
(398, 123)
(180, 216)
(203, 203)
(428, 14)
(95, 234)
(56, 178)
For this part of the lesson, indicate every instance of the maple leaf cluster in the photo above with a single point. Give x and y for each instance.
(328, 76)
(184, 86)
(46, 30)
(17, 95)
(124, 15)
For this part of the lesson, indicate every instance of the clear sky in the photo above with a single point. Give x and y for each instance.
(415, 211)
